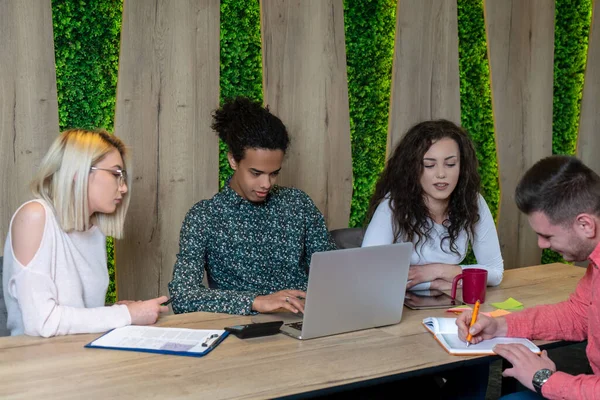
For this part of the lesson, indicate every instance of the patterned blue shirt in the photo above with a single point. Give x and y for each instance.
(247, 249)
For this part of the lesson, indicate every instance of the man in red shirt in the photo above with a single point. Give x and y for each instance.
(561, 198)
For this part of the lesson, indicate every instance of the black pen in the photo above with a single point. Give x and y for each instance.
(166, 303)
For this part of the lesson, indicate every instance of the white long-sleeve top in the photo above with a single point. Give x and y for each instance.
(485, 243)
(62, 289)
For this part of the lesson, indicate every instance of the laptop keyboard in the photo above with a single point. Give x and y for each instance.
(296, 325)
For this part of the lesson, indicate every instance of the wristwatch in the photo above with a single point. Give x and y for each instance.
(539, 378)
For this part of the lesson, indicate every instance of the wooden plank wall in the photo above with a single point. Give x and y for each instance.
(520, 36)
(305, 84)
(28, 104)
(168, 85)
(425, 78)
(588, 140)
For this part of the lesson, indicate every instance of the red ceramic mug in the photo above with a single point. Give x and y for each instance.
(473, 286)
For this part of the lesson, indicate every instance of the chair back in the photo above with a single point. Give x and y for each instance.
(3, 313)
(347, 238)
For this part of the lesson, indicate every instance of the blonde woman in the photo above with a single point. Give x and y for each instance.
(55, 275)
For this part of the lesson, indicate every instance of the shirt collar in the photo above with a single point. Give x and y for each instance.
(232, 198)
(595, 256)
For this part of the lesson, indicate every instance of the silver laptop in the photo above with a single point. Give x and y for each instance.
(353, 289)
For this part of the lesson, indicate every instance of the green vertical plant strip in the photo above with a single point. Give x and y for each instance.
(86, 45)
(476, 97)
(241, 60)
(370, 31)
(571, 32)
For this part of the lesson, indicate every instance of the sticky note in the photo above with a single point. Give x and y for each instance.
(496, 313)
(509, 304)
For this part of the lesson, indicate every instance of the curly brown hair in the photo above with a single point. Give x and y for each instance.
(400, 181)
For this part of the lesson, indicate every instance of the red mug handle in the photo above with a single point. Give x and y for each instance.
(455, 284)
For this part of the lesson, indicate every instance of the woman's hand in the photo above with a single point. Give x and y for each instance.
(432, 272)
(146, 312)
(292, 300)
(440, 284)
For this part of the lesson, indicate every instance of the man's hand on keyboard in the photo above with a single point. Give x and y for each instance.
(292, 300)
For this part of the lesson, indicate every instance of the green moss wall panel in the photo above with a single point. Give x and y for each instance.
(168, 85)
(520, 37)
(305, 84)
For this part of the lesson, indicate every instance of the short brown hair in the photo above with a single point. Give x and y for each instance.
(561, 187)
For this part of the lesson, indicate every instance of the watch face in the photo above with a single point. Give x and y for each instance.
(540, 377)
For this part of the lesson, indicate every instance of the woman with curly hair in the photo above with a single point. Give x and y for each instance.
(428, 194)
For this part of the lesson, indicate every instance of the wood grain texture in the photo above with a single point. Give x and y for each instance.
(588, 140)
(168, 85)
(28, 103)
(305, 84)
(520, 37)
(425, 78)
(258, 368)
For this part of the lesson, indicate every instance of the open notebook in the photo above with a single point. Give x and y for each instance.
(445, 332)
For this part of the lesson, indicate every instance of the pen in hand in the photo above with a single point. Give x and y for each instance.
(166, 303)
(473, 320)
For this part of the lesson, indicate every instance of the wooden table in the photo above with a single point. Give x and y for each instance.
(267, 367)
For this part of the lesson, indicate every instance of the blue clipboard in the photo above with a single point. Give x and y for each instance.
(172, 351)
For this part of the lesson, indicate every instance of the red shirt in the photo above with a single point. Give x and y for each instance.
(576, 319)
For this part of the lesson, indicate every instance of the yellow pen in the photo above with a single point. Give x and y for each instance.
(473, 320)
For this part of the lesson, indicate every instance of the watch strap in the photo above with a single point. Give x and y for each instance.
(538, 387)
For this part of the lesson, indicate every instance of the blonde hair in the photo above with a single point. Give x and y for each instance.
(62, 180)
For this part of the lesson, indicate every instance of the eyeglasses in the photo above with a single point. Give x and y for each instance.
(120, 174)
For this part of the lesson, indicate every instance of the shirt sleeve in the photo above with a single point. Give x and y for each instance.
(566, 320)
(565, 386)
(187, 288)
(318, 237)
(380, 230)
(486, 246)
(44, 316)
